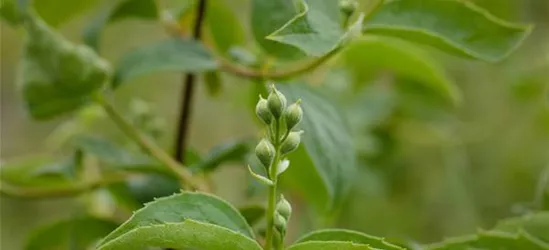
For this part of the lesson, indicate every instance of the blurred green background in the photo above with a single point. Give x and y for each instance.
(428, 169)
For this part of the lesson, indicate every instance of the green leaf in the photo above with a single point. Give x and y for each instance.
(232, 151)
(536, 224)
(118, 11)
(115, 156)
(23, 172)
(77, 234)
(169, 55)
(316, 30)
(329, 245)
(67, 168)
(56, 12)
(224, 26)
(491, 240)
(212, 79)
(327, 140)
(252, 213)
(163, 212)
(147, 188)
(279, 13)
(455, 26)
(349, 236)
(10, 12)
(188, 234)
(57, 76)
(371, 55)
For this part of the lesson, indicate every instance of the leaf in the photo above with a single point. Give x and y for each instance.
(179, 208)
(56, 12)
(232, 151)
(224, 26)
(490, 240)
(22, 172)
(147, 188)
(174, 54)
(57, 76)
(348, 236)
(327, 140)
(329, 245)
(10, 13)
(316, 30)
(67, 168)
(118, 11)
(280, 12)
(252, 213)
(77, 234)
(455, 26)
(536, 224)
(188, 234)
(115, 156)
(371, 54)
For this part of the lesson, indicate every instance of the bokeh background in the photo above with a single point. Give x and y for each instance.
(428, 169)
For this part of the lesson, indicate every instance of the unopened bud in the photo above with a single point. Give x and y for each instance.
(348, 7)
(293, 115)
(276, 103)
(284, 208)
(262, 111)
(280, 223)
(265, 152)
(291, 143)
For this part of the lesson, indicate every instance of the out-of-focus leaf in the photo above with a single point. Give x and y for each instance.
(147, 188)
(371, 54)
(228, 152)
(269, 16)
(316, 30)
(455, 26)
(491, 240)
(349, 236)
(178, 208)
(212, 79)
(174, 54)
(56, 12)
(118, 11)
(224, 26)
(67, 168)
(80, 233)
(190, 234)
(327, 140)
(10, 13)
(115, 156)
(57, 76)
(22, 172)
(252, 213)
(536, 224)
(329, 245)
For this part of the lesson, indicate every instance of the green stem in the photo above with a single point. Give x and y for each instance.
(272, 189)
(149, 146)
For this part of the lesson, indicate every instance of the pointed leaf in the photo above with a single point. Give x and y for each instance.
(327, 140)
(329, 245)
(174, 54)
(455, 26)
(349, 236)
(371, 54)
(178, 208)
(189, 234)
(78, 234)
(57, 76)
(232, 151)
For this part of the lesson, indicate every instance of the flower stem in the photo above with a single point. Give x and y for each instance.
(272, 189)
(149, 146)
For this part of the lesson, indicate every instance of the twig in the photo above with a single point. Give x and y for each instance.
(189, 82)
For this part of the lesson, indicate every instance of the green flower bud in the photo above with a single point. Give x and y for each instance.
(265, 152)
(293, 115)
(348, 7)
(291, 143)
(262, 111)
(280, 223)
(276, 103)
(284, 208)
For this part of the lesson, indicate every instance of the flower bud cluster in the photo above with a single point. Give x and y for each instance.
(280, 119)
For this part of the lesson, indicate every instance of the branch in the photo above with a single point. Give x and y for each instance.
(188, 92)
